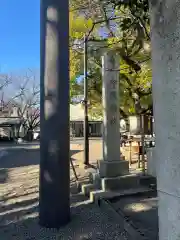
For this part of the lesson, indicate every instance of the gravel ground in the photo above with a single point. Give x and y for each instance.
(88, 222)
(19, 206)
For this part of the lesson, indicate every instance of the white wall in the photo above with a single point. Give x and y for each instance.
(76, 112)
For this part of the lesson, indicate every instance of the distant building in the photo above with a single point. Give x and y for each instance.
(77, 113)
(12, 118)
(9, 120)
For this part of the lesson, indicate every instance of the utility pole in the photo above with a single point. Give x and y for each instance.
(86, 121)
(54, 191)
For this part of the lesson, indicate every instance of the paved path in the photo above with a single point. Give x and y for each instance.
(19, 178)
(142, 211)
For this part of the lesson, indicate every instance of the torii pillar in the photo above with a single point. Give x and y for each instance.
(165, 39)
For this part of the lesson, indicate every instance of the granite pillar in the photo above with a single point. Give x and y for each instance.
(165, 42)
(111, 165)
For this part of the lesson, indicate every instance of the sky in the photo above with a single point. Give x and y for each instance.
(19, 35)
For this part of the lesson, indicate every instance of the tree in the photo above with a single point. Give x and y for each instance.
(23, 93)
(78, 27)
(125, 26)
(5, 80)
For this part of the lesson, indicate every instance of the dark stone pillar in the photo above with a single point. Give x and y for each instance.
(54, 203)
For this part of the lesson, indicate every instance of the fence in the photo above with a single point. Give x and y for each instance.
(95, 128)
(133, 126)
(135, 139)
(140, 138)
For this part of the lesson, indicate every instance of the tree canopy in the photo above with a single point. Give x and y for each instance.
(125, 27)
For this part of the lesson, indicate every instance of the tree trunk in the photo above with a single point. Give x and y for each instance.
(30, 134)
(165, 27)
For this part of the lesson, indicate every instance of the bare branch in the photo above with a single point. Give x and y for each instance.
(26, 98)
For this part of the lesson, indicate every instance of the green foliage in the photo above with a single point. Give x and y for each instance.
(75, 88)
(126, 30)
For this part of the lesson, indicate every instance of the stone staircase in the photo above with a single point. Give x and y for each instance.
(105, 188)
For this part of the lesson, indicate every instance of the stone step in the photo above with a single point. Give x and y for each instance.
(119, 185)
(95, 196)
(87, 188)
(76, 186)
(148, 181)
(122, 182)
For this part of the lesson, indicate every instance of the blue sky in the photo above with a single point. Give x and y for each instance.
(19, 34)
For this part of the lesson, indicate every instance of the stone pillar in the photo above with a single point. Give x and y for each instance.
(54, 186)
(111, 165)
(165, 37)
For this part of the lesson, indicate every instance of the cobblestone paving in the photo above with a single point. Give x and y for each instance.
(19, 177)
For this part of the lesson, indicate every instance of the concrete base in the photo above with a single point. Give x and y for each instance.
(111, 187)
(128, 182)
(95, 196)
(114, 179)
(120, 183)
(110, 169)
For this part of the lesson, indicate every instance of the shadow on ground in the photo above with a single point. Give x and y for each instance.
(20, 221)
(141, 211)
(3, 175)
(22, 157)
(19, 206)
